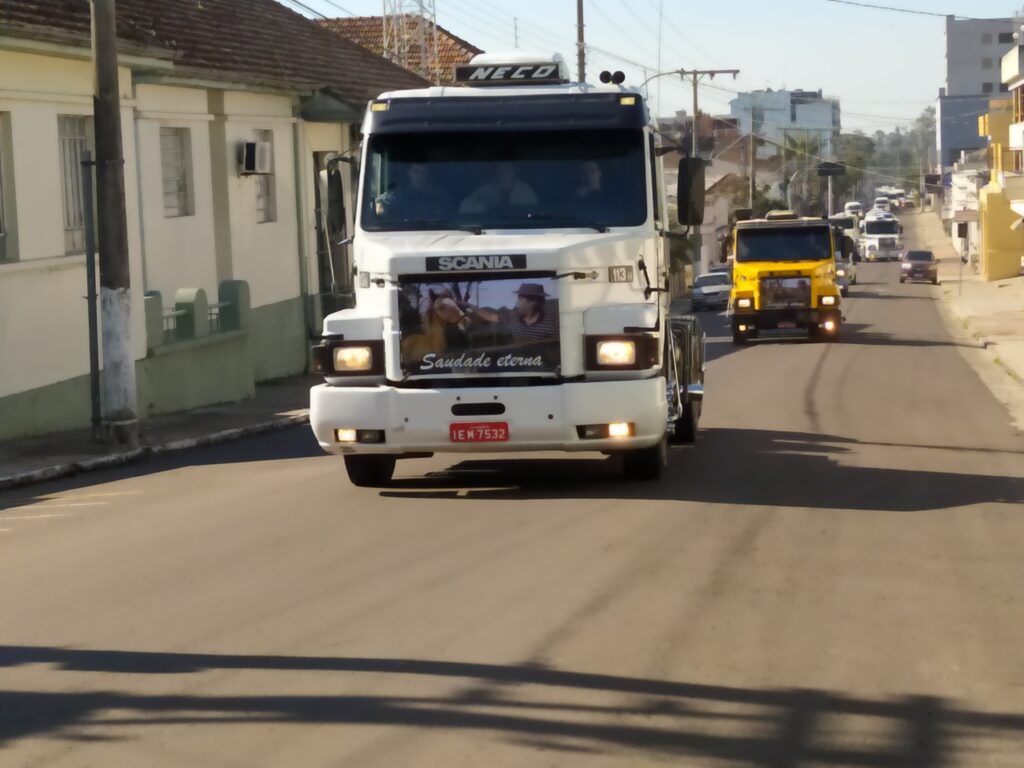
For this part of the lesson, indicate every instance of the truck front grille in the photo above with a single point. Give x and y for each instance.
(785, 292)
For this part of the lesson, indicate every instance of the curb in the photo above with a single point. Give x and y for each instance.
(137, 454)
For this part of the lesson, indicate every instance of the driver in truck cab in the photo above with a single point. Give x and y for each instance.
(507, 190)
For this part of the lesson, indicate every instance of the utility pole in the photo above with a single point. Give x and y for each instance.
(695, 76)
(581, 45)
(119, 408)
(515, 31)
(752, 156)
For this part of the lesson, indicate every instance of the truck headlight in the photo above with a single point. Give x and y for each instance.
(616, 353)
(840, 273)
(828, 301)
(353, 359)
(622, 352)
(743, 303)
(872, 247)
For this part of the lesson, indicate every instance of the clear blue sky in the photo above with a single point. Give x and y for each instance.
(884, 66)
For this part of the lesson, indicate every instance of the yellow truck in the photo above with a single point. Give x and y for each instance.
(784, 278)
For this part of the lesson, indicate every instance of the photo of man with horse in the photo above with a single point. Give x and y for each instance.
(444, 320)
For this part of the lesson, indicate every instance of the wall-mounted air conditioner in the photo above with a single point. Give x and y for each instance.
(255, 157)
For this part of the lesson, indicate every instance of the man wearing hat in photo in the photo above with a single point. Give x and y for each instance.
(528, 322)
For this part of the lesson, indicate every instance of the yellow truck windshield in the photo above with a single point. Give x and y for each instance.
(783, 244)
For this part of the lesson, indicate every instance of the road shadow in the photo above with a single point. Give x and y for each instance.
(758, 727)
(294, 442)
(729, 466)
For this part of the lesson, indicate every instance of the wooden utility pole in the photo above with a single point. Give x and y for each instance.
(120, 419)
(581, 46)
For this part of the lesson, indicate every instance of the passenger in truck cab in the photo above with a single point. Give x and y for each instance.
(417, 198)
(507, 190)
(590, 181)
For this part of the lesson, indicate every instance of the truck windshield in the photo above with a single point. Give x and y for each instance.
(496, 180)
(789, 244)
(844, 222)
(884, 227)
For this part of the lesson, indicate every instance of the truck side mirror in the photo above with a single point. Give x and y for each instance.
(690, 193)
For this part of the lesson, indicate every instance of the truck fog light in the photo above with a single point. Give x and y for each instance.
(616, 353)
(345, 435)
(743, 303)
(620, 429)
(830, 325)
(351, 359)
(828, 301)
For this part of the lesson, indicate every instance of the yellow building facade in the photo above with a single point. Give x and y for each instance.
(1001, 201)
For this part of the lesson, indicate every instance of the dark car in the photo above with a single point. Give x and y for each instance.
(919, 265)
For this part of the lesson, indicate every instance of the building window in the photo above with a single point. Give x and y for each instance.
(176, 170)
(73, 134)
(986, 38)
(1004, 88)
(1006, 37)
(986, 63)
(266, 203)
(986, 88)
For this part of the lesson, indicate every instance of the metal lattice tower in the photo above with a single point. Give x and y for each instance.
(410, 36)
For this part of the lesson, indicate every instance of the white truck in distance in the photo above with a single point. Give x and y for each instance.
(881, 237)
(512, 262)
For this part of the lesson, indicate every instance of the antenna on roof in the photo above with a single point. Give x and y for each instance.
(410, 36)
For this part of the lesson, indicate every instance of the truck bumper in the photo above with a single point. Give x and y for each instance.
(781, 319)
(538, 418)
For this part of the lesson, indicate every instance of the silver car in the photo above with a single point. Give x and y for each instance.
(846, 274)
(711, 291)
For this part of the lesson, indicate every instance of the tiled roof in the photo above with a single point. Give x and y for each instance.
(368, 31)
(253, 42)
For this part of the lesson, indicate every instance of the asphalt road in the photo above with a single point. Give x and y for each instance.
(833, 576)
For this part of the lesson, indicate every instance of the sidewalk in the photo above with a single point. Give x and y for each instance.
(276, 405)
(991, 313)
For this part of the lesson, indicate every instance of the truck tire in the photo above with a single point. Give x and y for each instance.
(685, 428)
(369, 470)
(739, 338)
(645, 463)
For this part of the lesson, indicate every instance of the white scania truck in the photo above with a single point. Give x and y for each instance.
(511, 263)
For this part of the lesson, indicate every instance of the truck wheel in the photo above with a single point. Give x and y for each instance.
(646, 463)
(369, 470)
(739, 338)
(685, 428)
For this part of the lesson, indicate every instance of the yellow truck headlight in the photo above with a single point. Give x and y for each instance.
(616, 353)
(353, 359)
(744, 303)
(828, 301)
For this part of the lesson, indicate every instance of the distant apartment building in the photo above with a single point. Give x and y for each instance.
(775, 116)
(974, 48)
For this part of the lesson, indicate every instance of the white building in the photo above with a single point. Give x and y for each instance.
(973, 51)
(778, 115)
(195, 87)
(974, 48)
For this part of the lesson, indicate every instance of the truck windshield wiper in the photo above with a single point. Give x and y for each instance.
(434, 224)
(565, 221)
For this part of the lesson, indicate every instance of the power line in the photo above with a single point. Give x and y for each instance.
(338, 7)
(894, 9)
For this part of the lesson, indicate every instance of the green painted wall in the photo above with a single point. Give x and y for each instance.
(190, 374)
(221, 368)
(278, 339)
(176, 377)
(53, 408)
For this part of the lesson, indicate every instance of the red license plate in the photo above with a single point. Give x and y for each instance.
(479, 432)
(787, 324)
